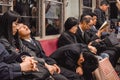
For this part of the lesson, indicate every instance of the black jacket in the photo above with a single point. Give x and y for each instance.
(100, 17)
(86, 38)
(66, 38)
(37, 49)
(67, 56)
(8, 70)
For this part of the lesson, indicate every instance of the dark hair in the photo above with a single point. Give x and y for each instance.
(6, 24)
(70, 22)
(92, 14)
(90, 63)
(85, 18)
(104, 2)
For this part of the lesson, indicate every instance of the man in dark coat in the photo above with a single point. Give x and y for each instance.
(104, 5)
(34, 45)
(69, 55)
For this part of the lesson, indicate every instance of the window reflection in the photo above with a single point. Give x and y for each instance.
(53, 11)
(87, 3)
(87, 10)
(28, 10)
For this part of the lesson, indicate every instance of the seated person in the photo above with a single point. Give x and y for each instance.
(12, 70)
(76, 58)
(35, 46)
(68, 36)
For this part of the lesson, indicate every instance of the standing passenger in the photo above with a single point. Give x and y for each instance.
(104, 5)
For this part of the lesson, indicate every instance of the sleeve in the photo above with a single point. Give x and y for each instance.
(14, 53)
(99, 17)
(65, 39)
(9, 71)
(71, 60)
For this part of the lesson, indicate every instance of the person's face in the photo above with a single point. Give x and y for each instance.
(74, 29)
(118, 23)
(105, 7)
(57, 22)
(87, 26)
(15, 26)
(23, 30)
(94, 18)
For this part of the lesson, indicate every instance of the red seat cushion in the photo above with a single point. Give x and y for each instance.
(49, 46)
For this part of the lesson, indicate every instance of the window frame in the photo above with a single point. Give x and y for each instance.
(41, 21)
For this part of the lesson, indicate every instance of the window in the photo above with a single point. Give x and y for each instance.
(53, 17)
(72, 8)
(5, 5)
(87, 3)
(87, 6)
(28, 11)
(87, 10)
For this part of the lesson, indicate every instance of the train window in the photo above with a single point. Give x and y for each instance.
(72, 8)
(87, 3)
(28, 11)
(87, 10)
(53, 17)
(5, 5)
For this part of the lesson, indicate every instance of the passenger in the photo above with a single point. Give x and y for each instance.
(76, 58)
(35, 46)
(104, 5)
(9, 24)
(12, 70)
(68, 37)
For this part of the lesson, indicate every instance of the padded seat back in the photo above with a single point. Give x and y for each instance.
(49, 46)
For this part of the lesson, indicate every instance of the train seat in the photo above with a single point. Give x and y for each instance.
(49, 45)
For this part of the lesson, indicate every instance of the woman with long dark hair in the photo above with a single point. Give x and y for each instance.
(10, 69)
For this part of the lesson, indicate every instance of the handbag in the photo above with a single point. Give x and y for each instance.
(105, 71)
(111, 40)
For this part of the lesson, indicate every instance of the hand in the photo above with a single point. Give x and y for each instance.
(98, 40)
(92, 49)
(29, 64)
(99, 33)
(57, 69)
(50, 68)
(79, 70)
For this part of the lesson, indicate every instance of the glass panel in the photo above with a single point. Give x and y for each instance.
(28, 11)
(72, 8)
(87, 3)
(87, 10)
(4, 5)
(53, 17)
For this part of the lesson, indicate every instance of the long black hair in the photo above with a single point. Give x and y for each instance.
(6, 24)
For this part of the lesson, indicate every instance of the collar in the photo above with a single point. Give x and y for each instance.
(29, 40)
